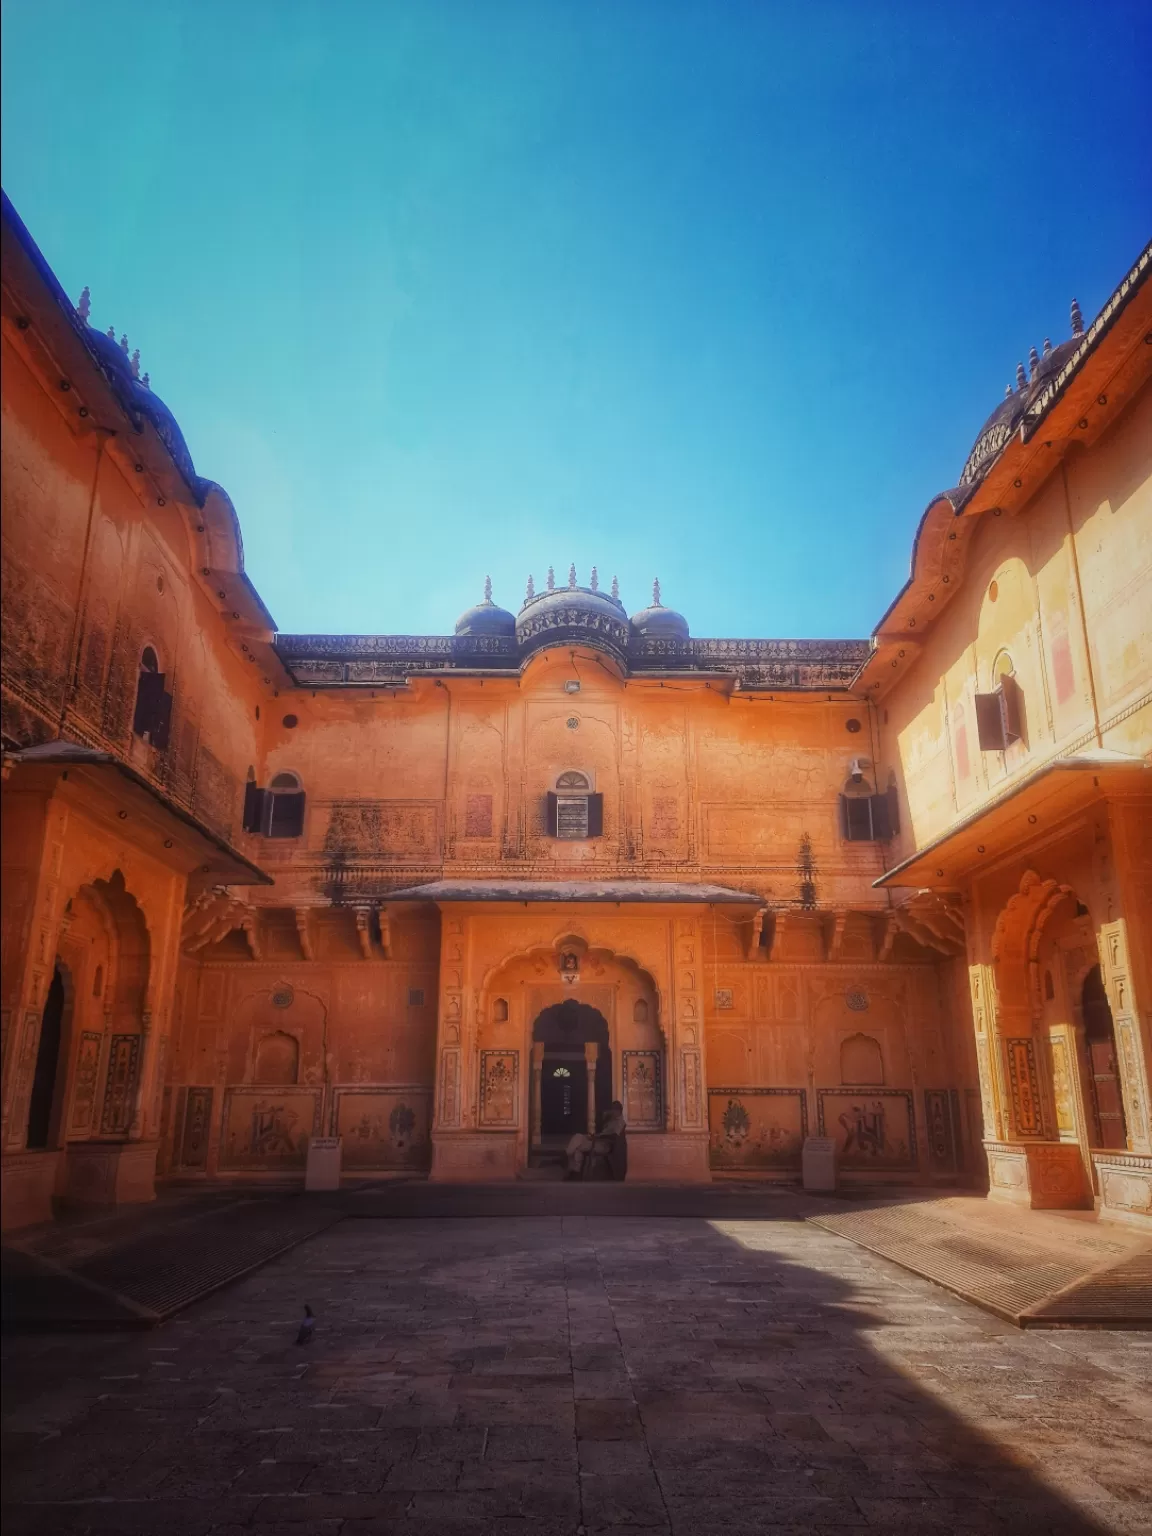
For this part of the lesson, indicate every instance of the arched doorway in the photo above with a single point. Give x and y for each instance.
(43, 1098)
(575, 1074)
(1104, 1075)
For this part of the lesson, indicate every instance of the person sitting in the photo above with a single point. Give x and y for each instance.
(605, 1155)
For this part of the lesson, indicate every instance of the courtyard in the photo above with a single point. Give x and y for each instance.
(561, 1374)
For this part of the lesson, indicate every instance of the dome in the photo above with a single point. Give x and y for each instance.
(1004, 420)
(111, 356)
(486, 618)
(658, 622)
(573, 615)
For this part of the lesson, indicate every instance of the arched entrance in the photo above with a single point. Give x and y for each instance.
(44, 1082)
(1107, 1104)
(571, 1042)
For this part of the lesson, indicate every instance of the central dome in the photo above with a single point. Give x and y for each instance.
(573, 615)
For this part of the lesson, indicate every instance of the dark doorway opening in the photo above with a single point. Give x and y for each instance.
(47, 1061)
(1100, 1037)
(565, 1030)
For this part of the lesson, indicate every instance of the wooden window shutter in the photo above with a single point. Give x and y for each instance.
(550, 814)
(149, 693)
(990, 729)
(286, 815)
(881, 822)
(595, 815)
(253, 808)
(162, 721)
(892, 795)
(1011, 710)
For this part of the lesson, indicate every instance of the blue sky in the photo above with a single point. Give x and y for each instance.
(709, 290)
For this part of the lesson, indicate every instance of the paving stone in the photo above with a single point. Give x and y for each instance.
(538, 1376)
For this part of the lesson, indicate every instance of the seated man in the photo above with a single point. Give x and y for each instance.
(606, 1154)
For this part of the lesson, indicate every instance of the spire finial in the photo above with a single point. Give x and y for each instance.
(656, 603)
(595, 582)
(572, 577)
(1021, 377)
(551, 579)
(531, 592)
(124, 343)
(136, 363)
(1077, 320)
(487, 589)
(111, 333)
(84, 308)
(1033, 361)
(146, 381)
(615, 590)
(1047, 346)
(1008, 392)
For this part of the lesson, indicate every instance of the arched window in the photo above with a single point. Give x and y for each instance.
(572, 812)
(152, 715)
(277, 811)
(1000, 714)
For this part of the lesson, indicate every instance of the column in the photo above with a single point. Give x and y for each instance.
(591, 1056)
(534, 1132)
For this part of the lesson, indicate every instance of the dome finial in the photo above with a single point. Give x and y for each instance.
(1033, 361)
(136, 363)
(656, 603)
(1047, 346)
(615, 590)
(531, 592)
(111, 333)
(84, 308)
(124, 343)
(595, 582)
(146, 381)
(1077, 320)
(572, 577)
(551, 579)
(1008, 392)
(487, 589)
(1021, 377)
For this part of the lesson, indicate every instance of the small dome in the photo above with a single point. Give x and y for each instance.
(486, 618)
(658, 622)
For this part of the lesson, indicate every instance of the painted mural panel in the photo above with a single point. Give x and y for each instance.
(265, 1129)
(499, 1085)
(874, 1130)
(385, 1127)
(756, 1127)
(643, 1091)
(120, 1093)
(197, 1120)
(1022, 1078)
(87, 1077)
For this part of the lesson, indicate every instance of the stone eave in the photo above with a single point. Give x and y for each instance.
(611, 892)
(235, 868)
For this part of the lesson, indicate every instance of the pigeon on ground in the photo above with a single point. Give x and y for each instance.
(307, 1326)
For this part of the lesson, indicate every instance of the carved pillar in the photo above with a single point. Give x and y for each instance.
(537, 1084)
(591, 1056)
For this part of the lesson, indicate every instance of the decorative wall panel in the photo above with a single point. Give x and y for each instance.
(120, 1093)
(1021, 1054)
(197, 1123)
(268, 1130)
(383, 1127)
(874, 1130)
(757, 1127)
(83, 1117)
(499, 1088)
(643, 1090)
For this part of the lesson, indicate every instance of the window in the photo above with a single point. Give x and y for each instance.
(572, 812)
(1000, 715)
(870, 818)
(277, 811)
(152, 716)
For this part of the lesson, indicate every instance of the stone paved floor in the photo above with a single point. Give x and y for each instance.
(549, 1375)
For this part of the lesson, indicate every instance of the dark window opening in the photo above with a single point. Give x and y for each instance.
(152, 717)
(277, 811)
(999, 716)
(870, 818)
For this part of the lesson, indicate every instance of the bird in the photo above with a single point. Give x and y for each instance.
(307, 1326)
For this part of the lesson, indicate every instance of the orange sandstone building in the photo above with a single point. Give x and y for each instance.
(444, 897)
